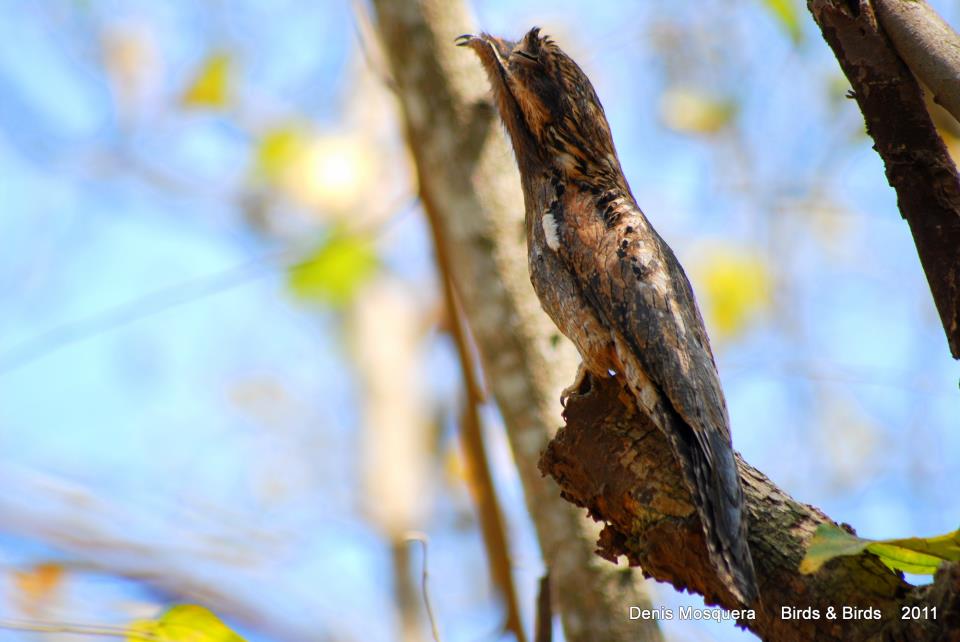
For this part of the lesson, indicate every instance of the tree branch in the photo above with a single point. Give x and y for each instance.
(927, 44)
(918, 165)
(471, 192)
(611, 460)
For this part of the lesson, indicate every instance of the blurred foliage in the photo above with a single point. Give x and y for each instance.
(37, 585)
(279, 149)
(693, 111)
(333, 272)
(735, 288)
(183, 623)
(787, 14)
(210, 88)
(919, 555)
(326, 173)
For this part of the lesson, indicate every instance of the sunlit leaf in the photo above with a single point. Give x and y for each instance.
(210, 87)
(278, 150)
(898, 558)
(326, 173)
(735, 286)
(691, 111)
(183, 623)
(334, 271)
(920, 555)
(787, 14)
(333, 173)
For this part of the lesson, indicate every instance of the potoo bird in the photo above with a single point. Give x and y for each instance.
(611, 284)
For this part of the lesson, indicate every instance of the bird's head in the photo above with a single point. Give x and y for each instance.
(550, 109)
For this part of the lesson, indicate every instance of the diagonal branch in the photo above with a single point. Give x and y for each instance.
(928, 45)
(917, 164)
(492, 525)
(612, 461)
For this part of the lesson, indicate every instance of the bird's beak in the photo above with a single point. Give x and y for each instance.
(489, 49)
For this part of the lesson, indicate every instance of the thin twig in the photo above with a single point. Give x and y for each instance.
(76, 629)
(369, 46)
(422, 539)
(544, 626)
(140, 308)
(484, 493)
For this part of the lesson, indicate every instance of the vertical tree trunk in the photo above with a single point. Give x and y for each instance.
(471, 192)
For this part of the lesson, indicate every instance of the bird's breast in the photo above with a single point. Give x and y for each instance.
(560, 293)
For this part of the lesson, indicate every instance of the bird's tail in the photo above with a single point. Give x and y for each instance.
(711, 472)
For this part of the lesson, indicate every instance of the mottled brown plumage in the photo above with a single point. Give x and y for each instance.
(611, 284)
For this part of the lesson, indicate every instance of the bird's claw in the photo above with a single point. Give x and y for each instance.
(460, 41)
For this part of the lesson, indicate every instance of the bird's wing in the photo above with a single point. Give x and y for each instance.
(635, 284)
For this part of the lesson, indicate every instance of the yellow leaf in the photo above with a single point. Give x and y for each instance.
(903, 559)
(736, 287)
(334, 271)
(691, 111)
(785, 11)
(211, 85)
(280, 149)
(183, 623)
(920, 555)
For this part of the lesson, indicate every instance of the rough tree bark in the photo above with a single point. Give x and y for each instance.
(471, 190)
(610, 460)
(917, 163)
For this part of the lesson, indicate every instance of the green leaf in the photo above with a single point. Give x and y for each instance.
(903, 559)
(829, 542)
(334, 271)
(920, 555)
(183, 623)
(785, 11)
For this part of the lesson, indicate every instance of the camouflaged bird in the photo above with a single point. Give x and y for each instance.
(611, 284)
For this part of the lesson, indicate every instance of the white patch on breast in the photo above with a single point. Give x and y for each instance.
(550, 232)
